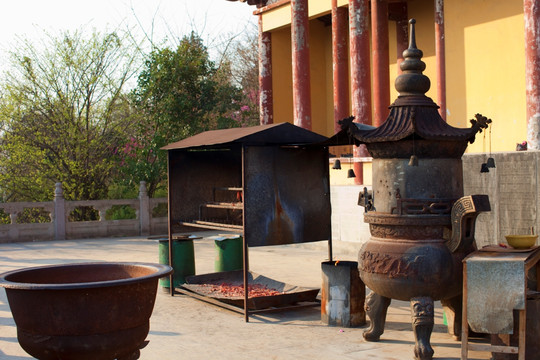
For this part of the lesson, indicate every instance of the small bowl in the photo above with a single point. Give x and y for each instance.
(521, 241)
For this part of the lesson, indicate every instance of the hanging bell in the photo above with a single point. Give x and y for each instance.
(351, 174)
(484, 168)
(490, 162)
(337, 165)
(413, 161)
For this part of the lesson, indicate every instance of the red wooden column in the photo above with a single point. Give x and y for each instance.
(266, 103)
(399, 13)
(360, 73)
(531, 10)
(340, 62)
(300, 63)
(381, 62)
(440, 57)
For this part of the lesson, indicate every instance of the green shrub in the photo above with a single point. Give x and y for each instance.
(33, 215)
(161, 192)
(4, 217)
(161, 210)
(120, 212)
(83, 213)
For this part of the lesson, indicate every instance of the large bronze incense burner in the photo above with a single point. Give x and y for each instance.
(83, 311)
(421, 224)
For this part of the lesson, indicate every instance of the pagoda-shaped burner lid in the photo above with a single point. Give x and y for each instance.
(412, 82)
(414, 116)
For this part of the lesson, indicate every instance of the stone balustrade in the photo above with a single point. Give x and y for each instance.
(60, 227)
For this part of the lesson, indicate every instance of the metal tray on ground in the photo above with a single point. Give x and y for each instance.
(289, 294)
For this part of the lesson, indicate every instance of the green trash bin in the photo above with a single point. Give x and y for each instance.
(183, 259)
(229, 250)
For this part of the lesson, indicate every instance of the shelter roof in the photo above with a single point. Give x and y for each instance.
(272, 134)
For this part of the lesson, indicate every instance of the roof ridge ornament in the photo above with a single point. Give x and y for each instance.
(412, 82)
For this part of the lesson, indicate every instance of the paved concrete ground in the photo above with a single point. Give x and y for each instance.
(185, 328)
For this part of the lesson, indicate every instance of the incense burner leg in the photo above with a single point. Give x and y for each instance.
(376, 308)
(422, 324)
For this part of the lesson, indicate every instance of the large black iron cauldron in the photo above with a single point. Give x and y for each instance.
(421, 225)
(93, 311)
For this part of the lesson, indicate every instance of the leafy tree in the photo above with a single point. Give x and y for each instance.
(242, 52)
(62, 113)
(179, 93)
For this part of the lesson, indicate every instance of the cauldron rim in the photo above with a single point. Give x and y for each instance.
(160, 270)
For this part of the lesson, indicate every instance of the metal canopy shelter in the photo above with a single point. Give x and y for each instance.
(270, 183)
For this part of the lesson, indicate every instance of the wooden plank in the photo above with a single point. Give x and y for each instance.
(494, 348)
(464, 321)
(212, 226)
(229, 188)
(224, 205)
(522, 332)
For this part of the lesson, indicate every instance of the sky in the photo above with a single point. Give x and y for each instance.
(159, 18)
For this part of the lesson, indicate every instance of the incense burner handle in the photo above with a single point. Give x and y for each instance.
(464, 213)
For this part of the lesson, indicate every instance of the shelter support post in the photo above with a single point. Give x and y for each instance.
(246, 278)
(245, 247)
(170, 226)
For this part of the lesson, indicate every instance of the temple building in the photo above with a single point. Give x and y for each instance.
(323, 60)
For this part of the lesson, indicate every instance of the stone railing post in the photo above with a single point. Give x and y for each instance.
(144, 209)
(13, 217)
(59, 213)
(13, 232)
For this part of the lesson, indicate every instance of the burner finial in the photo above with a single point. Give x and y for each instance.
(412, 81)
